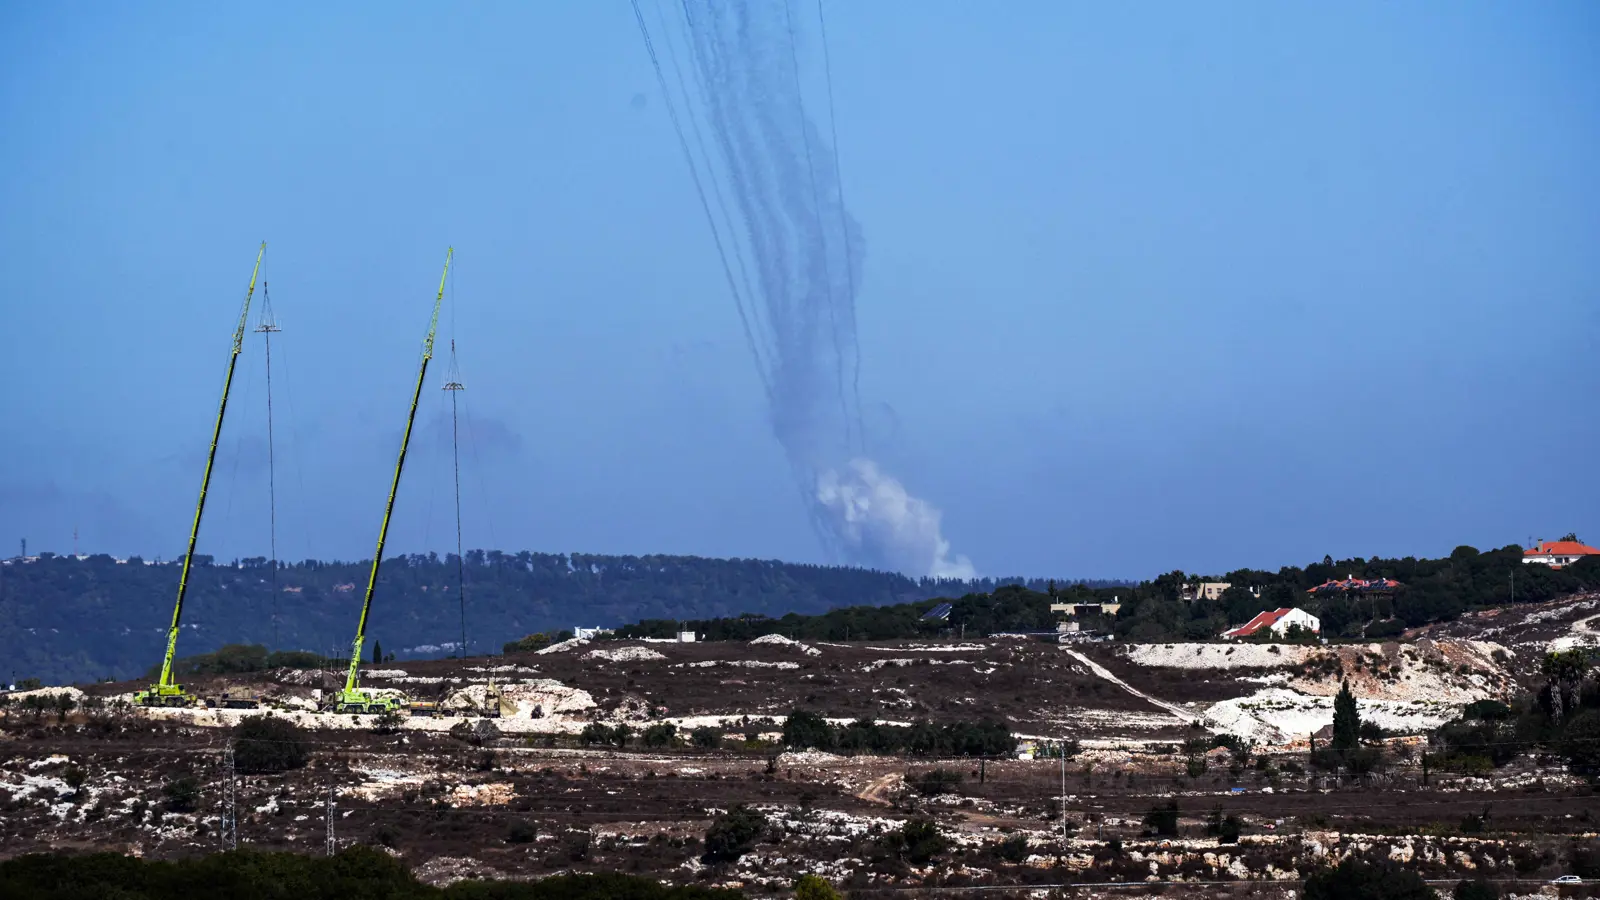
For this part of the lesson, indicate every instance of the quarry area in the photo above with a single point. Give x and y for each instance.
(522, 775)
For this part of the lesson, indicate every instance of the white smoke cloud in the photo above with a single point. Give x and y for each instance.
(880, 521)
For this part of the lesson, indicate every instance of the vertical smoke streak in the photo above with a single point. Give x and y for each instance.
(805, 252)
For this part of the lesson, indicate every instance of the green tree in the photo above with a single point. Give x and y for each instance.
(1356, 880)
(377, 651)
(706, 738)
(814, 887)
(181, 794)
(265, 745)
(1162, 819)
(805, 730)
(1580, 741)
(733, 833)
(661, 734)
(1346, 719)
(918, 841)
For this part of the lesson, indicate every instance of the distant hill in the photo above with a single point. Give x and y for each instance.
(69, 619)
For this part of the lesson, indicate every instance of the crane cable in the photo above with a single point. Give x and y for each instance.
(705, 206)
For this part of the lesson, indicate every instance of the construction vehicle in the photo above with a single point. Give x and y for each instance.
(166, 692)
(355, 699)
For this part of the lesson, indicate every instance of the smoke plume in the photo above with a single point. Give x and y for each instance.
(873, 512)
(769, 186)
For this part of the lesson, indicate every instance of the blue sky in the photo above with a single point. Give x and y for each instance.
(1186, 286)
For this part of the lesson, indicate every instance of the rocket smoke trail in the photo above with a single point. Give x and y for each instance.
(768, 183)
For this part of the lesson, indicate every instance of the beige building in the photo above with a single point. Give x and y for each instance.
(1082, 609)
(1205, 590)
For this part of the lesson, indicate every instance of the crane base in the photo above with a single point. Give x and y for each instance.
(359, 702)
(164, 695)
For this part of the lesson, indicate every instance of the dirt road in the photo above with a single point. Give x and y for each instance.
(1183, 715)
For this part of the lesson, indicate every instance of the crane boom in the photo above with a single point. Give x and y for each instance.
(353, 699)
(165, 692)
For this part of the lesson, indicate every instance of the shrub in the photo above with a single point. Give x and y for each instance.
(1224, 828)
(266, 745)
(387, 722)
(813, 887)
(1580, 741)
(917, 841)
(1476, 889)
(521, 832)
(661, 734)
(805, 730)
(934, 782)
(181, 795)
(1583, 859)
(1386, 629)
(1162, 820)
(1356, 880)
(1013, 849)
(537, 641)
(575, 845)
(733, 833)
(1488, 711)
(706, 737)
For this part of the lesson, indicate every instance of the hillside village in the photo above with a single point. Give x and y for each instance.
(1011, 738)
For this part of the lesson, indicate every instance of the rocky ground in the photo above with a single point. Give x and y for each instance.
(519, 796)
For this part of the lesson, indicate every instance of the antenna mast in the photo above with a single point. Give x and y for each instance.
(165, 692)
(268, 327)
(454, 386)
(353, 698)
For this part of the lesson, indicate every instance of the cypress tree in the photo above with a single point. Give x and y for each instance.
(1346, 720)
(377, 652)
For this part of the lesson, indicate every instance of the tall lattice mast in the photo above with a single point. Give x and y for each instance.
(454, 386)
(267, 328)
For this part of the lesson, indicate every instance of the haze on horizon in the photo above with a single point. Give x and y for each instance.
(1219, 288)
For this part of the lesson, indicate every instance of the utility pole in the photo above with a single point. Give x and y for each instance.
(1062, 750)
(332, 845)
(229, 828)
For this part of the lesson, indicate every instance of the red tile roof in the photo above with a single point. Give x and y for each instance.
(1561, 548)
(1262, 620)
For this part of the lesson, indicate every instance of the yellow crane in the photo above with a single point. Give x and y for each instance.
(166, 692)
(353, 699)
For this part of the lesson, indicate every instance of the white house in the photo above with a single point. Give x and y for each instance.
(1556, 554)
(1278, 621)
